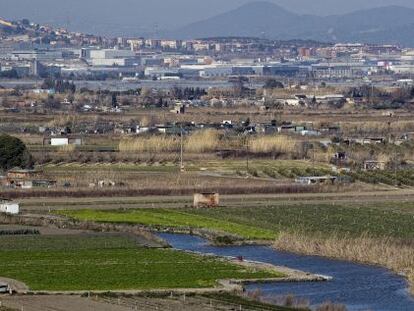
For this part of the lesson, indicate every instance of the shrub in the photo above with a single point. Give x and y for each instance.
(13, 153)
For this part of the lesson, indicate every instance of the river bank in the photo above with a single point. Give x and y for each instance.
(395, 255)
(359, 287)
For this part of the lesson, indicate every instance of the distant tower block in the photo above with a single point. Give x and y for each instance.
(206, 200)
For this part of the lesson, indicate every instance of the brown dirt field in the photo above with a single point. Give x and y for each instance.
(77, 303)
(58, 303)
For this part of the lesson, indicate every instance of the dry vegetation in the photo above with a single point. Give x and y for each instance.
(67, 148)
(378, 127)
(392, 253)
(274, 144)
(152, 144)
(202, 141)
(208, 140)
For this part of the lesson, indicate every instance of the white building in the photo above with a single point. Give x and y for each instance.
(63, 141)
(110, 57)
(111, 53)
(216, 71)
(40, 55)
(59, 141)
(9, 207)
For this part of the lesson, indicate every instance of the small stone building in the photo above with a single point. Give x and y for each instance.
(209, 199)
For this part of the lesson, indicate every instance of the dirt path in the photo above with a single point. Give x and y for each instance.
(58, 303)
(44, 205)
(135, 303)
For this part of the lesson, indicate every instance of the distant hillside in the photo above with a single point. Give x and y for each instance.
(264, 19)
(8, 28)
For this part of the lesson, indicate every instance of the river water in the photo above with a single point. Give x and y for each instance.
(359, 287)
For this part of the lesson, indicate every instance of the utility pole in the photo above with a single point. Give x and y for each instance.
(181, 149)
(247, 153)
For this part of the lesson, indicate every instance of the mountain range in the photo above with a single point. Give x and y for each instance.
(387, 25)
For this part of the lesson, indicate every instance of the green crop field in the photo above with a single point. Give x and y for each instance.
(266, 221)
(109, 263)
(173, 218)
(322, 219)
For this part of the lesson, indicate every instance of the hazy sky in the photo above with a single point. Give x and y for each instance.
(137, 16)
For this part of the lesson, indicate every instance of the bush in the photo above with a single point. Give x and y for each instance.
(13, 153)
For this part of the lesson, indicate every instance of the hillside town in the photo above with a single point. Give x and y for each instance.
(217, 173)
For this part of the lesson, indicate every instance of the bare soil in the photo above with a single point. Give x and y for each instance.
(72, 303)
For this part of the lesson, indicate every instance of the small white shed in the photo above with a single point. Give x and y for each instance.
(59, 141)
(9, 207)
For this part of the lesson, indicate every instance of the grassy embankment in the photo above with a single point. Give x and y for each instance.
(164, 218)
(377, 233)
(109, 263)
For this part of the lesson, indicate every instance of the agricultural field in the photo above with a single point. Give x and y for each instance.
(322, 219)
(265, 221)
(67, 263)
(395, 178)
(159, 218)
(145, 302)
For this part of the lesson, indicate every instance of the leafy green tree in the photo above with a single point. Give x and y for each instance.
(13, 153)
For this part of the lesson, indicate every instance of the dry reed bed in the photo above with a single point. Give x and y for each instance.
(394, 254)
(278, 144)
(377, 127)
(208, 141)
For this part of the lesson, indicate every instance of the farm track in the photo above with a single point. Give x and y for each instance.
(46, 204)
(94, 303)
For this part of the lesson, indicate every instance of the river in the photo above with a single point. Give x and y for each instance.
(359, 287)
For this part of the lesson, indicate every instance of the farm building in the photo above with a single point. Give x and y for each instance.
(22, 174)
(9, 207)
(26, 179)
(309, 180)
(206, 200)
(372, 165)
(179, 108)
(62, 141)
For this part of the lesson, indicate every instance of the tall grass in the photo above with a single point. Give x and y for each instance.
(202, 141)
(153, 144)
(397, 255)
(67, 148)
(206, 141)
(376, 127)
(277, 144)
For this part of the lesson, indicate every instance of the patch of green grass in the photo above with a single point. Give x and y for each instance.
(173, 218)
(102, 263)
